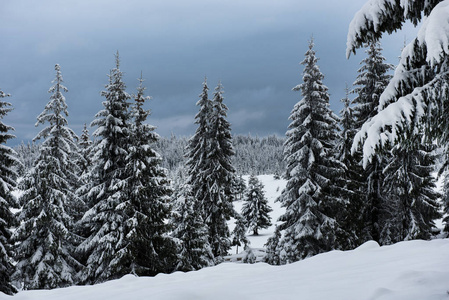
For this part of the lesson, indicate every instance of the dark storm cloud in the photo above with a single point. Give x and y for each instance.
(253, 47)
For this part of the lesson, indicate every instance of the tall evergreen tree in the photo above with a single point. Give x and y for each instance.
(7, 200)
(310, 199)
(348, 130)
(350, 218)
(198, 148)
(104, 222)
(210, 170)
(44, 251)
(220, 174)
(370, 83)
(146, 249)
(192, 234)
(255, 209)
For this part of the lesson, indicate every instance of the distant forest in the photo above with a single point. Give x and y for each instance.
(253, 154)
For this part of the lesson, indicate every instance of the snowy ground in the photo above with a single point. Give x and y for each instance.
(408, 270)
(413, 270)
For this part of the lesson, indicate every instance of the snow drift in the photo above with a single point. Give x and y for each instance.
(407, 270)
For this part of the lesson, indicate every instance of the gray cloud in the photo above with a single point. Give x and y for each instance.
(254, 47)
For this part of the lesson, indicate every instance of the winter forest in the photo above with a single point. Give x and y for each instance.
(119, 199)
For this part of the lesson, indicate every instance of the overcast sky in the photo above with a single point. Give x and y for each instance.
(254, 47)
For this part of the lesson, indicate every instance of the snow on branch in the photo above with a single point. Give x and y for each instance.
(416, 86)
(379, 16)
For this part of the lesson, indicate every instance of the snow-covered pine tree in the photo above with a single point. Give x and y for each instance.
(350, 218)
(210, 170)
(239, 233)
(255, 209)
(412, 191)
(239, 187)
(249, 257)
(7, 200)
(104, 221)
(146, 248)
(219, 173)
(85, 144)
(194, 251)
(272, 255)
(198, 148)
(371, 81)
(44, 249)
(85, 141)
(310, 199)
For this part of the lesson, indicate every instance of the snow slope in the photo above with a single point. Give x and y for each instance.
(408, 270)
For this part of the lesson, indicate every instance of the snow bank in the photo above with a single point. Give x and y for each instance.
(408, 270)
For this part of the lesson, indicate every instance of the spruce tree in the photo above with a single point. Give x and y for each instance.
(308, 224)
(44, 251)
(198, 148)
(146, 248)
(217, 205)
(239, 233)
(350, 218)
(272, 255)
(85, 144)
(194, 251)
(348, 130)
(104, 222)
(255, 209)
(371, 81)
(239, 187)
(211, 173)
(7, 200)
